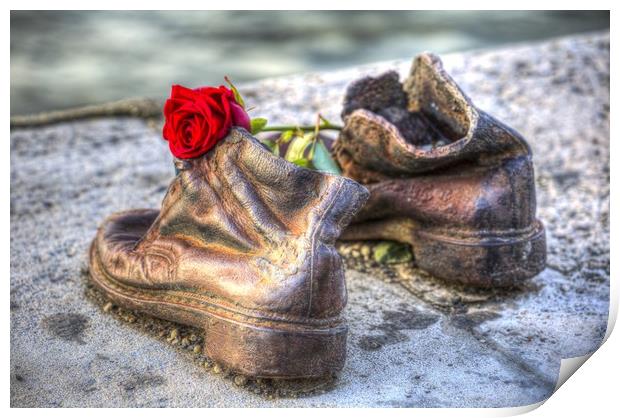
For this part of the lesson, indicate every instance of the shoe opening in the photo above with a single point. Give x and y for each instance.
(429, 110)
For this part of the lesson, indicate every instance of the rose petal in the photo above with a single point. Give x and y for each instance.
(196, 119)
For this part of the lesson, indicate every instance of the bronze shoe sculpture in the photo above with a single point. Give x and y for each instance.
(243, 247)
(443, 176)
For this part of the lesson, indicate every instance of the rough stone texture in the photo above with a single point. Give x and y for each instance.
(413, 341)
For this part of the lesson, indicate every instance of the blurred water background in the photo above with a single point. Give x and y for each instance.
(63, 59)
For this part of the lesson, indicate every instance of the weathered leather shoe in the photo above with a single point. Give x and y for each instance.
(443, 176)
(243, 247)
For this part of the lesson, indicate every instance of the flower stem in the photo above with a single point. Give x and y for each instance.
(317, 128)
(305, 128)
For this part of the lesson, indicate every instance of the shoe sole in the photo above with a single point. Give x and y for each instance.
(491, 260)
(252, 346)
(486, 260)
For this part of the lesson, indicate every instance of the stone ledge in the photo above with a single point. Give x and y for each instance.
(413, 341)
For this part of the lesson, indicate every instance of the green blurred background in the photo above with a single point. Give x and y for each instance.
(61, 59)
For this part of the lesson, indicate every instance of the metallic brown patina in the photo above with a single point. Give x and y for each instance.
(443, 176)
(243, 247)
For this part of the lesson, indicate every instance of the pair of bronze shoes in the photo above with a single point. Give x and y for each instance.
(243, 246)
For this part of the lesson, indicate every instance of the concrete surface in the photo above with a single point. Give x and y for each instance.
(413, 340)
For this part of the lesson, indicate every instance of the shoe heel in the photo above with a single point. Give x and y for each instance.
(487, 262)
(271, 352)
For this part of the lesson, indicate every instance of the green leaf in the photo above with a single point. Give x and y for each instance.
(322, 159)
(236, 93)
(286, 136)
(257, 124)
(325, 121)
(298, 146)
(302, 162)
(273, 146)
(390, 252)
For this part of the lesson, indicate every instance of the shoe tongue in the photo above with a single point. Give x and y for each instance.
(434, 94)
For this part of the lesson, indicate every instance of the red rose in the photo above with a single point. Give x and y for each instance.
(197, 119)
